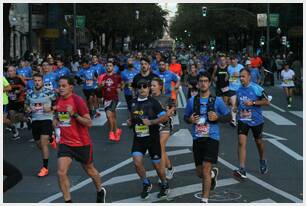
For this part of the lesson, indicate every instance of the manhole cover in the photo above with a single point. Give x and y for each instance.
(220, 196)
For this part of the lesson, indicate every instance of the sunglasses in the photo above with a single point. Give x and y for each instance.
(144, 86)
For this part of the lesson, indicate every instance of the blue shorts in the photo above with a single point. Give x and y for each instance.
(5, 109)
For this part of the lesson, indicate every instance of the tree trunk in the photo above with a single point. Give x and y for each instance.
(6, 32)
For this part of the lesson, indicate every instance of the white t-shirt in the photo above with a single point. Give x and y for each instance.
(287, 77)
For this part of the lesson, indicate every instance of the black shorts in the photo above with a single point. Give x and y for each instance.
(219, 93)
(110, 105)
(128, 99)
(244, 129)
(88, 93)
(140, 147)
(231, 93)
(205, 149)
(16, 106)
(292, 87)
(98, 92)
(41, 127)
(82, 154)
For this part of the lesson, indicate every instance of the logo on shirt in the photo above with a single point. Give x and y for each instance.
(109, 82)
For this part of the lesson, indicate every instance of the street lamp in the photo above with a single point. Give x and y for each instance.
(137, 14)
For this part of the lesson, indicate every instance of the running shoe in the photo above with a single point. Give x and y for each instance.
(164, 191)
(53, 142)
(15, 133)
(263, 166)
(169, 173)
(289, 106)
(233, 123)
(203, 201)
(22, 125)
(118, 134)
(112, 136)
(240, 173)
(145, 191)
(214, 176)
(101, 195)
(43, 172)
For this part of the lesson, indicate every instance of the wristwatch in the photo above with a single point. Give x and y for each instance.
(75, 115)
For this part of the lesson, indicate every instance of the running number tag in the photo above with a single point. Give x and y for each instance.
(288, 81)
(142, 130)
(202, 128)
(246, 115)
(225, 89)
(233, 79)
(12, 96)
(89, 82)
(64, 119)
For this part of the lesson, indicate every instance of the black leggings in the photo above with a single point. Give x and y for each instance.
(13, 176)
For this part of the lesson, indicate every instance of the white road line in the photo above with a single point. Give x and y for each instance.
(262, 183)
(276, 118)
(181, 138)
(178, 191)
(285, 149)
(100, 121)
(121, 108)
(179, 102)
(176, 120)
(274, 136)
(183, 97)
(268, 200)
(276, 107)
(105, 172)
(297, 113)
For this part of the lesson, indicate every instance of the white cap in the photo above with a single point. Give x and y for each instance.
(247, 62)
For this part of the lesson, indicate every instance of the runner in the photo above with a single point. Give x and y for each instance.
(61, 69)
(176, 68)
(75, 143)
(192, 82)
(50, 78)
(25, 72)
(204, 111)
(110, 84)
(166, 127)
(250, 98)
(255, 75)
(39, 104)
(288, 76)
(146, 115)
(6, 88)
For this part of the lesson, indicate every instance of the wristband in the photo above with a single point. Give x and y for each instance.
(75, 115)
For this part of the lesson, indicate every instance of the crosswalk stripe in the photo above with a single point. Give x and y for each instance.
(178, 191)
(285, 149)
(276, 118)
(297, 113)
(99, 121)
(176, 120)
(268, 200)
(276, 107)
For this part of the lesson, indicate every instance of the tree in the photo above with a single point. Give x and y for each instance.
(6, 31)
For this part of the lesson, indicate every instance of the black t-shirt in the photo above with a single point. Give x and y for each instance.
(148, 108)
(139, 76)
(192, 80)
(221, 74)
(17, 93)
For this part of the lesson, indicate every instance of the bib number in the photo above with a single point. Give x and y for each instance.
(288, 81)
(12, 96)
(64, 119)
(202, 128)
(246, 115)
(225, 89)
(142, 130)
(89, 82)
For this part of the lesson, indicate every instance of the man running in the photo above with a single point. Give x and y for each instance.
(75, 143)
(250, 98)
(50, 78)
(39, 104)
(110, 83)
(146, 115)
(61, 69)
(204, 111)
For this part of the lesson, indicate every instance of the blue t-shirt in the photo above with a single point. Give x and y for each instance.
(204, 127)
(154, 65)
(50, 80)
(167, 77)
(64, 71)
(127, 77)
(26, 72)
(234, 82)
(255, 75)
(137, 65)
(99, 68)
(88, 75)
(251, 115)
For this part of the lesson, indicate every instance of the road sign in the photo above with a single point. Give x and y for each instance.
(261, 20)
(274, 20)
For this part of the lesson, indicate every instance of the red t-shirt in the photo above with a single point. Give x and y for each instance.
(256, 62)
(73, 133)
(112, 83)
(176, 68)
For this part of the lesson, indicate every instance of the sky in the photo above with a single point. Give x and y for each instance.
(171, 8)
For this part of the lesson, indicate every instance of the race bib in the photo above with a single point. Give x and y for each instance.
(142, 130)
(246, 115)
(89, 82)
(64, 119)
(288, 81)
(202, 128)
(12, 96)
(233, 79)
(225, 89)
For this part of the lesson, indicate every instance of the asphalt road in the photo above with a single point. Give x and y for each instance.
(283, 184)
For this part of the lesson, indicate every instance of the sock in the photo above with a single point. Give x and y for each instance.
(146, 181)
(68, 201)
(45, 163)
(205, 199)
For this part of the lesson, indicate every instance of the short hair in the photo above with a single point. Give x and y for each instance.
(245, 69)
(146, 59)
(159, 80)
(85, 61)
(38, 75)
(204, 74)
(69, 80)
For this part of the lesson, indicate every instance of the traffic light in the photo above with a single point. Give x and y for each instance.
(204, 11)
(262, 41)
(288, 44)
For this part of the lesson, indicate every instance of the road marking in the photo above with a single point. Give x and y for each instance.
(297, 113)
(176, 120)
(178, 191)
(105, 172)
(285, 149)
(263, 183)
(181, 138)
(121, 108)
(276, 107)
(99, 121)
(268, 200)
(276, 118)
(183, 97)
(179, 101)
(151, 173)
(274, 136)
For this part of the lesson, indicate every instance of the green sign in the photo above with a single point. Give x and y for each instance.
(274, 20)
(80, 22)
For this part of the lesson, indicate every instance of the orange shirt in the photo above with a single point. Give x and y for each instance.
(256, 62)
(176, 69)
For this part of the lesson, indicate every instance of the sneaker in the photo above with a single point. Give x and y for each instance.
(112, 136)
(145, 191)
(15, 138)
(118, 134)
(240, 173)
(169, 173)
(43, 172)
(263, 166)
(203, 201)
(289, 106)
(53, 142)
(22, 125)
(233, 123)
(101, 195)
(164, 191)
(29, 123)
(214, 176)
(15, 133)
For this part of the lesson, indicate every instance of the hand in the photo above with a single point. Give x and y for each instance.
(248, 103)
(212, 116)
(70, 110)
(47, 108)
(194, 118)
(147, 122)
(170, 111)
